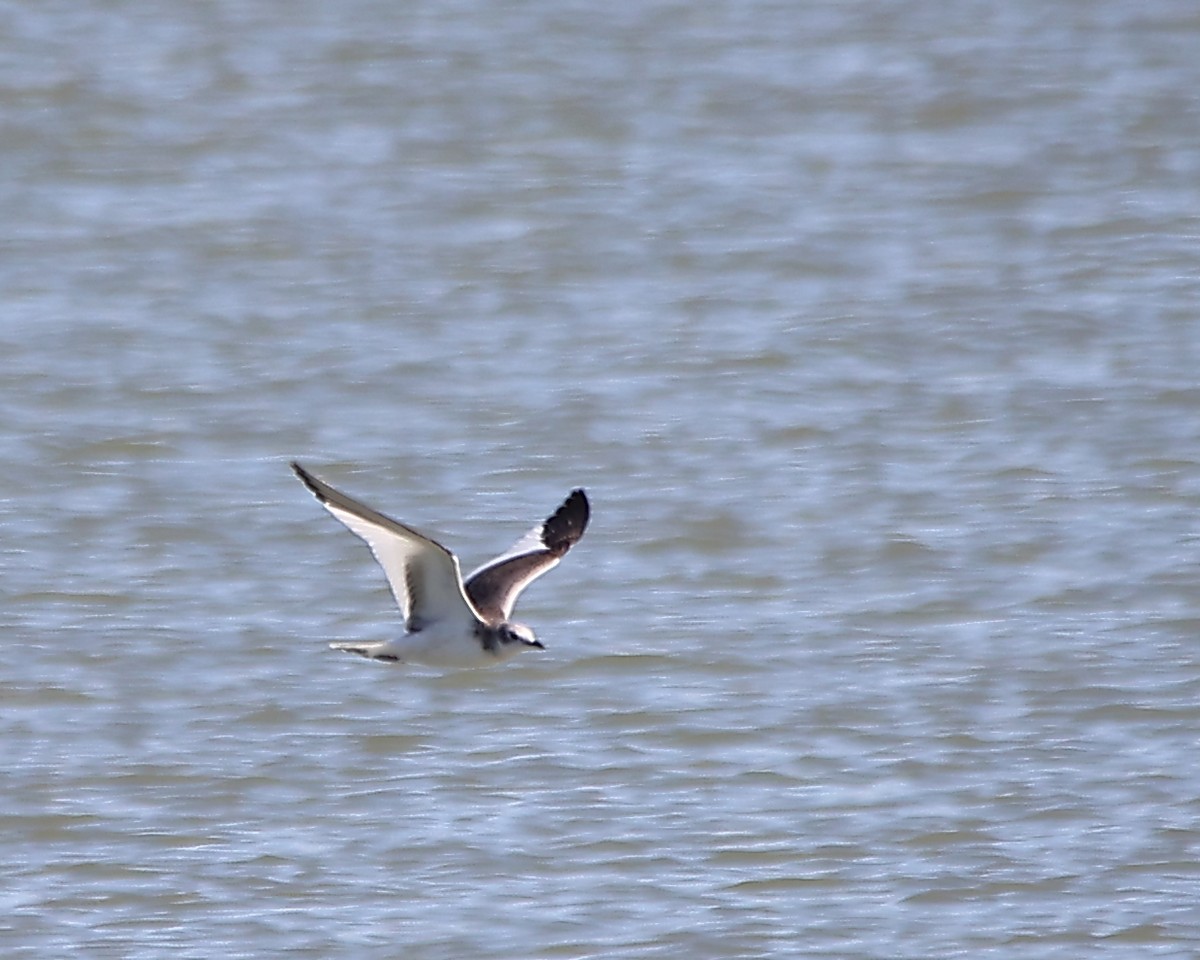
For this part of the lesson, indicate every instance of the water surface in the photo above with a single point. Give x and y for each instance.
(871, 331)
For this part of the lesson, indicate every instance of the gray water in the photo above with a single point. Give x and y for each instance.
(873, 331)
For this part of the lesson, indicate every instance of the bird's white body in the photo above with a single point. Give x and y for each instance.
(446, 645)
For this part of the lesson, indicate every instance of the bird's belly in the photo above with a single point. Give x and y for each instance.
(434, 648)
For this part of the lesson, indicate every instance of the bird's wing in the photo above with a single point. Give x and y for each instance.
(424, 575)
(493, 588)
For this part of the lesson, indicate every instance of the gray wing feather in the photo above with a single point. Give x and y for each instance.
(493, 589)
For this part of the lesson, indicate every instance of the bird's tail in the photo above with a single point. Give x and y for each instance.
(372, 651)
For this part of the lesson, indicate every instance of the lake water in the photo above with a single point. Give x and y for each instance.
(873, 332)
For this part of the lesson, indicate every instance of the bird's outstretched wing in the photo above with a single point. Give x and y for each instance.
(493, 588)
(424, 575)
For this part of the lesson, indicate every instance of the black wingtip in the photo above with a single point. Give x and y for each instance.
(579, 499)
(567, 524)
(308, 480)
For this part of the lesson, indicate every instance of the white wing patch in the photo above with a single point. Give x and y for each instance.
(424, 576)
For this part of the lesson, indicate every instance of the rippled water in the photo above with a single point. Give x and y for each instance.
(871, 330)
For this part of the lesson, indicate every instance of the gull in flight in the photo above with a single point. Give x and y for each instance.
(451, 622)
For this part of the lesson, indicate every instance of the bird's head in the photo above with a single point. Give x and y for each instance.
(516, 636)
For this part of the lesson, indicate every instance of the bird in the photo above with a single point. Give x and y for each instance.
(451, 622)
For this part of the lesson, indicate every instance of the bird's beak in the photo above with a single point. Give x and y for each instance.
(538, 644)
